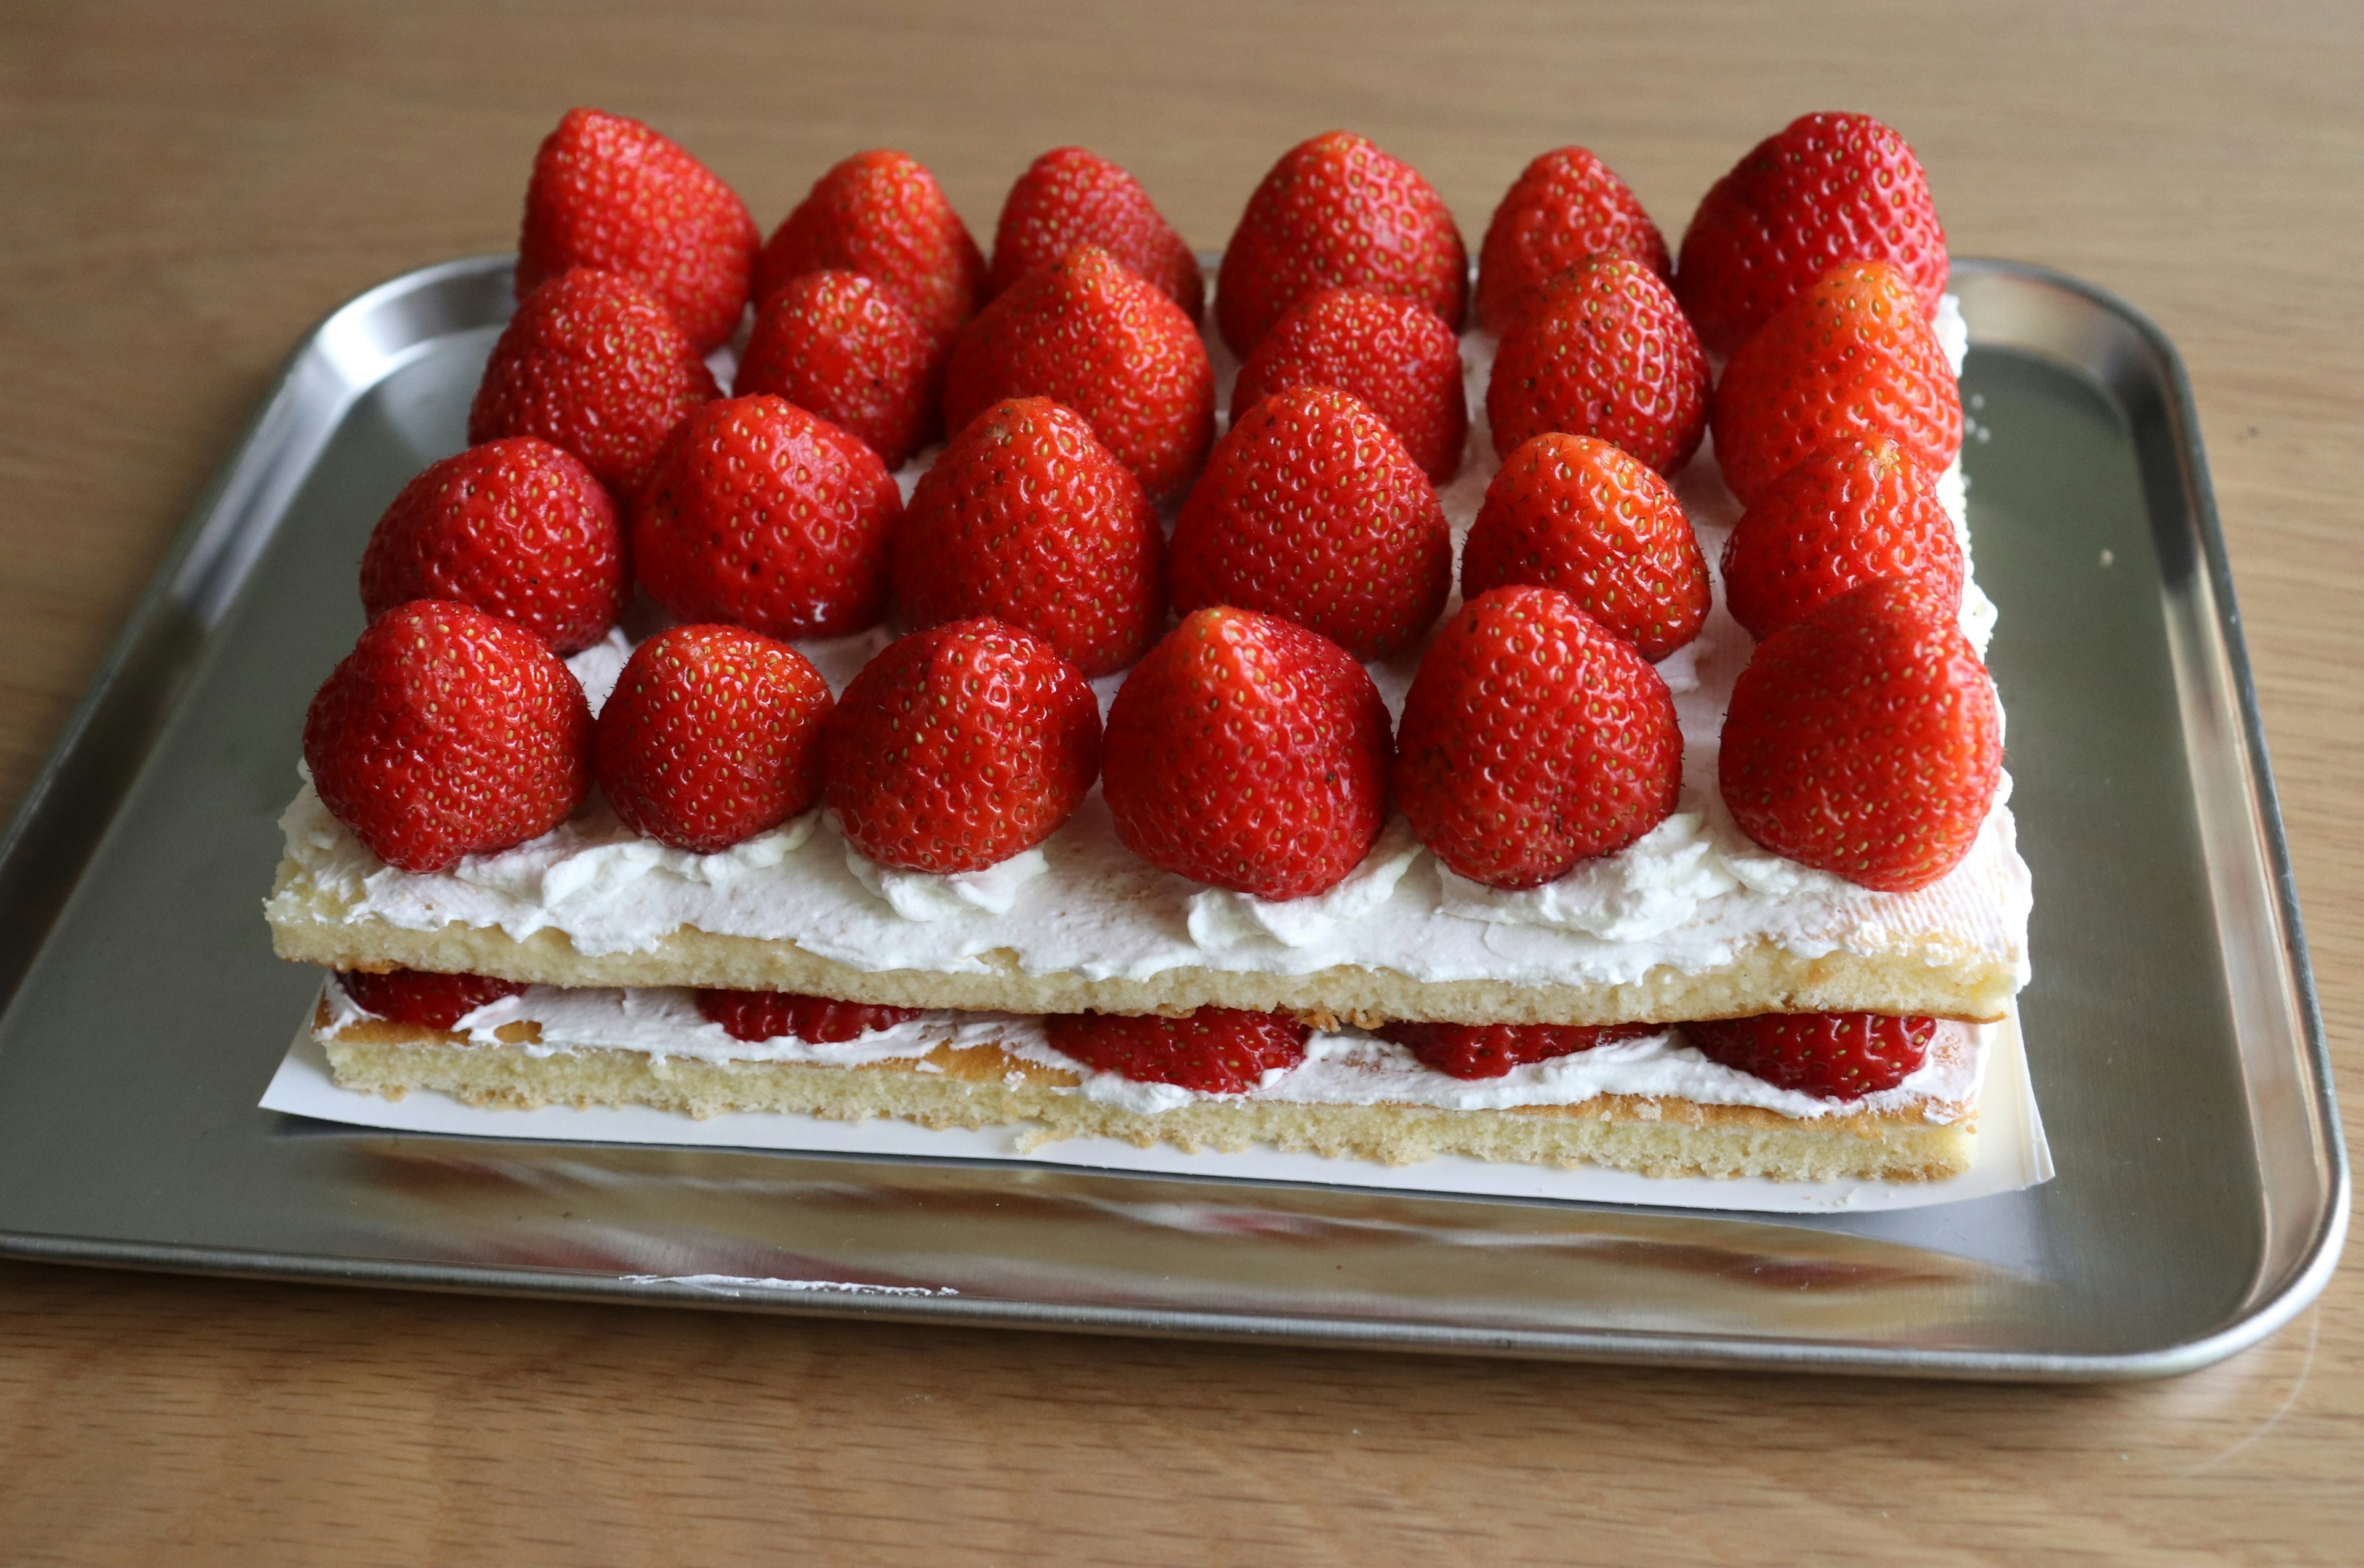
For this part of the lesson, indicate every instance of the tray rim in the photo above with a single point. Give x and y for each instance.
(179, 582)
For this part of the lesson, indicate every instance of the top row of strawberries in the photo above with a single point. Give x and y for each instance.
(1081, 391)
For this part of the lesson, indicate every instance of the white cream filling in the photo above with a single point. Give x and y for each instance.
(1344, 1068)
(1692, 894)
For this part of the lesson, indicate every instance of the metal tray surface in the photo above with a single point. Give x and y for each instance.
(2202, 1186)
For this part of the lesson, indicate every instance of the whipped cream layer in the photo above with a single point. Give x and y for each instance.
(1346, 1068)
(1692, 894)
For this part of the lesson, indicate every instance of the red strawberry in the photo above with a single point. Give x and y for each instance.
(594, 363)
(1578, 515)
(1565, 206)
(1336, 212)
(1829, 188)
(754, 1015)
(1853, 511)
(1248, 754)
(1216, 1051)
(1069, 198)
(447, 732)
(1028, 519)
(1833, 1056)
(761, 515)
(609, 192)
(961, 746)
(836, 344)
(1533, 739)
(882, 214)
(1311, 508)
(711, 736)
(1393, 354)
(516, 528)
(1490, 1051)
(1085, 332)
(419, 997)
(1604, 352)
(1852, 356)
(1864, 739)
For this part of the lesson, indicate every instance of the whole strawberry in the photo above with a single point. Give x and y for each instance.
(419, 996)
(1533, 739)
(1490, 1051)
(1216, 1051)
(1864, 739)
(1605, 352)
(1397, 356)
(1853, 511)
(764, 516)
(447, 732)
(882, 214)
(711, 736)
(1312, 510)
(961, 746)
(1578, 515)
(1833, 1056)
(836, 344)
(515, 527)
(1026, 517)
(1069, 198)
(1564, 206)
(1828, 188)
(755, 1016)
(1336, 212)
(595, 364)
(609, 192)
(1249, 753)
(1088, 334)
(1851, 356)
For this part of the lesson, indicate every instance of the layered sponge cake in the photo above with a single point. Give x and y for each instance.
(1438, 941)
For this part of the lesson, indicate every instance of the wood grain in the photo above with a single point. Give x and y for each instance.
(186, 188)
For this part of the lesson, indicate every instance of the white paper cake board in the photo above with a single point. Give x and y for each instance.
(2011, 1152)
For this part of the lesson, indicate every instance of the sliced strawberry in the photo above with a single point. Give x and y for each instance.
(837, 344)
(1394, 354)
(1864, 739)
(1605, 352)
(609, 192)
(1216, 1051)
(419, 996)
(1088, 334)
(757, 1015)
(516, 528)
(961, 746)
(711, 736)
(1828, 188)
(595, 364)
(1312, 510)
(1026, 517)
(1069, 198)
(882, 214)
(1490, 1051)
(447, 732)
(761, 515)
(1565, 206)
(1533, 738)
(1833, 1056)
(1851, 356)
(1578, 515)
(1852, 511)
(1336, 212)
(1248, 754)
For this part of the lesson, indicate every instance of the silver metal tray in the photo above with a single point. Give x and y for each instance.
(2202, 1186)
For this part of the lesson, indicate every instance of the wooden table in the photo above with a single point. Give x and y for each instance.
(185, 192)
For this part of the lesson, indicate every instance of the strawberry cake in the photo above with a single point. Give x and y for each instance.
(1566, 739)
